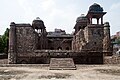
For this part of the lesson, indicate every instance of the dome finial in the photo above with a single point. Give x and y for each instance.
(37, 18)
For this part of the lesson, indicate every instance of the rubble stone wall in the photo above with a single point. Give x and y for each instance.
(25, 38)
(43, 56)
(112, 60)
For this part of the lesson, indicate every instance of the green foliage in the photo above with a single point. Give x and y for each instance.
(4, 42)
(1, 45)
(115, 40)
(118, 40)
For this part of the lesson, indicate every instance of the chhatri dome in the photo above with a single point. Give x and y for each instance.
(95, 8)
(38, 23)
(81, 18)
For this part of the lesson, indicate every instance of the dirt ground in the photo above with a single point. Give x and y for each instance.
(38, 72)
(3, 61)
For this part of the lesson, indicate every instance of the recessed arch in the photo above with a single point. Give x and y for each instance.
(59, 48)
(67, 48)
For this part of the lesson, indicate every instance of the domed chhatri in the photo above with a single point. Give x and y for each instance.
(95, 11)
(82, 18)
(38, 23)
(95, 8)
(81, 22)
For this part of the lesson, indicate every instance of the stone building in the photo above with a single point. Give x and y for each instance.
(33, 44)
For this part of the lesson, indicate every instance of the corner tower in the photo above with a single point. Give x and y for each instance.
(107, 48)
(12, 44)
(94, 33)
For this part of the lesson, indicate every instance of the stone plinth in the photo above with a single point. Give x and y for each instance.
(62, 64)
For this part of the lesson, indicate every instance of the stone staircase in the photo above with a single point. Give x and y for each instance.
(62, 64)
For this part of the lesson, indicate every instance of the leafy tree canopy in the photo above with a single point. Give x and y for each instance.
(4, 41)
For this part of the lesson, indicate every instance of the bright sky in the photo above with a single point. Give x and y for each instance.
(60, 14)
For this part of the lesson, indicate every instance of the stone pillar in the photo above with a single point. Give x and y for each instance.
(101, 20)
(73, 43)
(97, 20)
(107, 40)
(90, 20)
(12, 44)
(43, 41)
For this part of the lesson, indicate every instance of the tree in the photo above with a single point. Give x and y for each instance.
(118, 40)
(4, 42)
(1, 45)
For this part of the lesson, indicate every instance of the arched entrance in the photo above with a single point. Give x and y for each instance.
(67, 48)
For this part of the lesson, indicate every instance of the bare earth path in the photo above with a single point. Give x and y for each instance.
(38, 72)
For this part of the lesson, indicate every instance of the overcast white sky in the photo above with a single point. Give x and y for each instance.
(55, 13)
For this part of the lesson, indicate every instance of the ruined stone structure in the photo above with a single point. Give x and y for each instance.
(33, 44)
(89, 36)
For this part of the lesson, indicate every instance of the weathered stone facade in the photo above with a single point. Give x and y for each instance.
(89, 36)
(33, 44)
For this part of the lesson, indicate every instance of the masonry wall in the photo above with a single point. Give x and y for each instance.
(112, 60)
(90, 38)
(94, 35)
(25, 38)
(25, 41)
(43, 56)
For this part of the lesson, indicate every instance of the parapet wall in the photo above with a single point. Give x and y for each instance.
(43, 56)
